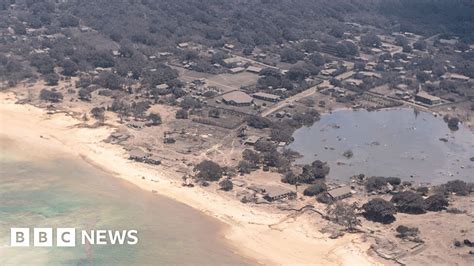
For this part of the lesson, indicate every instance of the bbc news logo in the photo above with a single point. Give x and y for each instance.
(66, 237)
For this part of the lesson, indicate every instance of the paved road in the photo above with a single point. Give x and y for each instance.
(288, 101)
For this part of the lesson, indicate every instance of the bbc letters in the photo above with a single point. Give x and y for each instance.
(66, 237)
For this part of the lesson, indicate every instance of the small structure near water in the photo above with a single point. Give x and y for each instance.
(137, 155)
(427, 98)
(340, 193)
(277, 193)
(117, 137)
(143, 157)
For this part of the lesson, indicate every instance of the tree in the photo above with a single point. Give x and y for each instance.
(84, 95)
(272, 159)
(122, 108)
(422, 76)
(51, 79)
(379, 210)
(343, 214)
(163, 74)
(110, 81)
(98, 113)
(215, 113)
(394, 181)
(155, 119)
(407, 48)
(420, 45)
(317, 170)
(371, 40)
(226, 185)
(375, 183)
(289, 55)
(409, 202)
(453, 123)
(290, 178)
(307, 118)
(315, 189)
(436, 202)
(69, 68)
(281, 135)
(43, 63)
(359, 65)
(405, 231)
(247, 51)
(246, 167)
(51, 96)
(459, 187)
(190, 103)
(401, 40)
(208, 171)
(298, 72)
(126, 49)
(202, 65)
(347, 48)
(337, 31)
(438, 69)
(324, 198)
(84, 82)
(139, 108)
(385, 56)
(101, 59)
(258, 122)
(263, 145)
(422, 190)
(310, 46)
(270, 72)
(68, 20)
(178, 92)
(251, 156)
(182, 114)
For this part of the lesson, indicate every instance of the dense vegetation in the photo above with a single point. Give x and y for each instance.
(138, 29)
(433, 16)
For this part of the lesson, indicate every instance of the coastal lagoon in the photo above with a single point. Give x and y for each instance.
(68, 192)
(415, 146)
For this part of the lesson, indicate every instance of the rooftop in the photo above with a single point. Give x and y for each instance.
(162, 86)
(345, 75)
(231, 60)
(254, 69)
(266, 95)
(275, 191)
(455, 76)
(137, 153)
(338, 192)
(428, 96)
(237, 97)
(237, 69)
(370, 74)
(252, 139)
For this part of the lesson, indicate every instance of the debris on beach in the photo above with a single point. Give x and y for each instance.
(348, 154)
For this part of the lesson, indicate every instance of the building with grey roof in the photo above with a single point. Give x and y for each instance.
(340, 193)
(266, 96)
(237, 98)
(427, 98)
(273, 193)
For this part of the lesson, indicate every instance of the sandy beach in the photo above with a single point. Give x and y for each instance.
(248, 230)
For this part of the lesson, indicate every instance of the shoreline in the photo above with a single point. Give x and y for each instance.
(246, 229)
